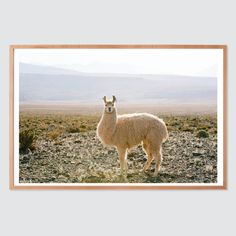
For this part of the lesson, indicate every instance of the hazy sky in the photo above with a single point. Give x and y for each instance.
(192, 62)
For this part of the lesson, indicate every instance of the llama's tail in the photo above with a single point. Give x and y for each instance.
(165, 134)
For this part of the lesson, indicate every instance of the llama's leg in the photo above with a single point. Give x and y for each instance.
(158, 158)
(123, 161)
(149, 157)
(148, 162)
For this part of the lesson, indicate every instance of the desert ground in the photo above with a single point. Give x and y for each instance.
(58, 144)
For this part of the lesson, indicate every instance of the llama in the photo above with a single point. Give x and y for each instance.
(129, 130)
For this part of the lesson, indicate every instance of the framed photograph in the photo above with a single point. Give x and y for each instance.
(118, 117)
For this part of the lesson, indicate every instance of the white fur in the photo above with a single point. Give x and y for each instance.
(129, 130)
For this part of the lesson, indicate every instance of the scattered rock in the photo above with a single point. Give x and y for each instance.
(197, 154)
(51, 127)
(81, 157)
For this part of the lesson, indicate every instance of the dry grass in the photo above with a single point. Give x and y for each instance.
(52, 126)
(27, 141)
(192, 124)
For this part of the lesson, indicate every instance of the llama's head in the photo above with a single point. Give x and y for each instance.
(109, 104)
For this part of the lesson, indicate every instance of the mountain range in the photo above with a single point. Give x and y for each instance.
(47, 84)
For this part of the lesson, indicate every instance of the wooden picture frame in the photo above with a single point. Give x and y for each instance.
(95, 186)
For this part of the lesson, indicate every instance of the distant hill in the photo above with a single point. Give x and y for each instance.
(45, 83)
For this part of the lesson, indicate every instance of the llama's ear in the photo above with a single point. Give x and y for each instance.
(105, 99)
(113, 98)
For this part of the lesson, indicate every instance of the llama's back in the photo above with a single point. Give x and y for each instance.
(131, 129)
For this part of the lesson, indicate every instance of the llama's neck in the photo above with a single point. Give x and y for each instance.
(107, 126)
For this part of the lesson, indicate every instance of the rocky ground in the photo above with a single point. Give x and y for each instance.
(80, 158)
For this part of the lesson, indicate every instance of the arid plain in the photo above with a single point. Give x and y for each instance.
(58, 144)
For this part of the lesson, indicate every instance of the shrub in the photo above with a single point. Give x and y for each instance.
(54, 134)
(27, 140)
(83, 126)
(73, 129)
(202, 134)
